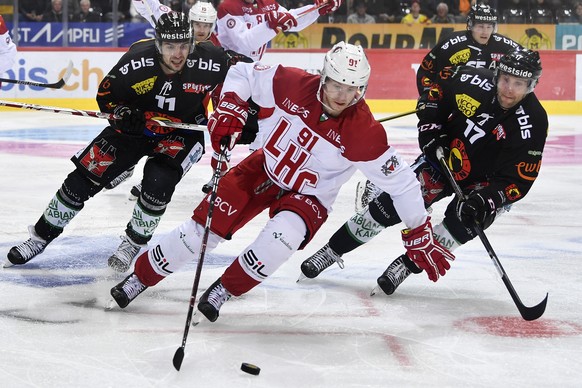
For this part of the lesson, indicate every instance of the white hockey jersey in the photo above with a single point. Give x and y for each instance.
(310, 153)
(7, 48)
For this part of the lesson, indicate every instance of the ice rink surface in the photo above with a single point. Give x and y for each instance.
(463, 331)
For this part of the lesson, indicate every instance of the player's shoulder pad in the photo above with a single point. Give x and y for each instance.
(363, 137)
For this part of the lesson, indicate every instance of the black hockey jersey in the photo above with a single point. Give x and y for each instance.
(500, 149)
(459, 48)
(138, 80)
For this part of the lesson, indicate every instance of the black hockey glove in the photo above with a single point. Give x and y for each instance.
(429, 143)
(131, 120)
(477, 208)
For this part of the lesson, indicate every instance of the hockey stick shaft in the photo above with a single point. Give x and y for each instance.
(97, 114)
(421, 107)
(179, 355)
(527, 313)
(57, 85)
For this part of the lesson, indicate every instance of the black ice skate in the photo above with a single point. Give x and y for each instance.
(322, 259)
(121, 260)
(127, 290)
(365, 193)
(135, 192)
(394, 275)
(212, 299)
(24, 252)
(120, 179)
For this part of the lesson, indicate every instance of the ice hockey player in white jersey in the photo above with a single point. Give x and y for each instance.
(7, 48)
(319, 131)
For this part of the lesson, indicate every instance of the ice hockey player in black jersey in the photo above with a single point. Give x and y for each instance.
(493, 131)
(164, 78)
(478, 46)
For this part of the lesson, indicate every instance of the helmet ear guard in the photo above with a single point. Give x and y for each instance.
(522, 63)
(347, 64)
(173, 27)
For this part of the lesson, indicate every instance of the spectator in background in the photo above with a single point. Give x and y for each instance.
(578, 11)
(55, 13)
(380, 9)
(86, 14)
(428, 7)
(32, 10)
(442, 15)
(360, 16)
(415, 17)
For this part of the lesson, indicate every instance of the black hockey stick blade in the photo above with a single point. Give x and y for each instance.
(527, 313)
(178, 358)
(56, 85)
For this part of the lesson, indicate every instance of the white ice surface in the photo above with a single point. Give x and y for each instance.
(463, 331)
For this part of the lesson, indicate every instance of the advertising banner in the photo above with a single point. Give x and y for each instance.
(393, 72)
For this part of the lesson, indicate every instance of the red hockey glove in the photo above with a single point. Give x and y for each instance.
(426, 253)
(477, 208)
(131, 120)
(280, 21)
(327, 6)
(226, 123)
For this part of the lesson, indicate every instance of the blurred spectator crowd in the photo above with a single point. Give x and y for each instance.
(352, 11)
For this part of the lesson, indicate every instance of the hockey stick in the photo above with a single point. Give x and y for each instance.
(421, 107)
(99, 115)
(179, 355)
(527, 313)
(57, 85)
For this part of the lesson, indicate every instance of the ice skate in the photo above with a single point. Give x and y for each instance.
(127, 290)
(24, 252)
(212, 299)
(121, 260)
(365, 193)
(319, 261)
(394, 275)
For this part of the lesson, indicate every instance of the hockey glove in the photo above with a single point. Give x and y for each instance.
(226, 123)
(280, 21)
(425, 252)
(430, 147)
(131, 120)
(327, 6)
(477, 208)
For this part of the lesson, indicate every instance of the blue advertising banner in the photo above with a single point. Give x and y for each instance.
(569, 37)
(31, 34)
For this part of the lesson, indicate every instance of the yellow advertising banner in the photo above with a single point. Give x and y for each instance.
(401, 36)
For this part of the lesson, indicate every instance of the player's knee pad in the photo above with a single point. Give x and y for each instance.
(178, 247)
(158, 184)
(77, 188)
(280, 238)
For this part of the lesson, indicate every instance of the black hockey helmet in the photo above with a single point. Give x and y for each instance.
(173, 27)
(481, 13)
(522, 63)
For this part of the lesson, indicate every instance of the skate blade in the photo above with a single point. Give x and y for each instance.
(196, 319)
(301, 278)
(7, 264)
(110, 304)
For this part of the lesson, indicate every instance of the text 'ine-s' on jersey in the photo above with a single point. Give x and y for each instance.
(138, 80)
(500, 148)
(311, 153)
(459, 48)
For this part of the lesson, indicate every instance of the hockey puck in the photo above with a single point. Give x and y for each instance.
(250, 368)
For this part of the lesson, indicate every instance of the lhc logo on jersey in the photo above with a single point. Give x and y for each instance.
(458, 160)
(99, 157)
